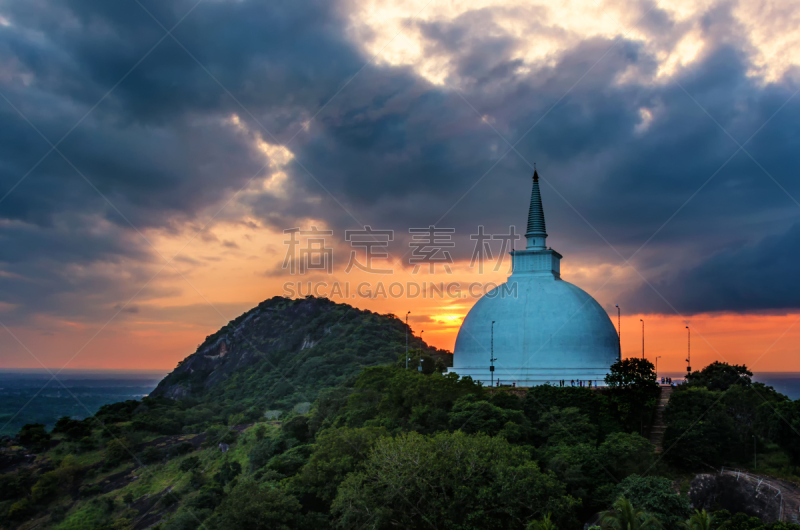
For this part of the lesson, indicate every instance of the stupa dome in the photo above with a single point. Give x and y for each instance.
(545, 329)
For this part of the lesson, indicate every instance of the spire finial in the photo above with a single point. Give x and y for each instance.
(536, 232)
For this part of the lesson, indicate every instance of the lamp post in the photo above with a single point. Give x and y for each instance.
(421, 342)
(619, 332)
(657, 358)
(688, 350)
(642, 321)
(491, 358)
(407, 339)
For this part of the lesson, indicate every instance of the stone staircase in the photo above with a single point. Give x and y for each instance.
(658, 428)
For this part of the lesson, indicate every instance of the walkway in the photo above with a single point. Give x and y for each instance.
(658, 428)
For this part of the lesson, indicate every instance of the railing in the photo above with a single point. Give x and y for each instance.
(761, 480)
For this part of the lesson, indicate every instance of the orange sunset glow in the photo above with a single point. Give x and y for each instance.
(667, 150)
(204, 294)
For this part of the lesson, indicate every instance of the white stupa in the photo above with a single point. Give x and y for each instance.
(545, 329)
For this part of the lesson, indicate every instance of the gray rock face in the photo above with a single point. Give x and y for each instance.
(735, 494)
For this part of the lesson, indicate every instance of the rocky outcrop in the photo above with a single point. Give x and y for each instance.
(735, 492)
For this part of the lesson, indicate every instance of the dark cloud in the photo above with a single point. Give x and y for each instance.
(758, 277)
(391, 149)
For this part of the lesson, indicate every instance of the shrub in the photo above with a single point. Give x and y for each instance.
(91, 490)
(118, 450)
(180, 449)
(34, 437)
(151, 455)
(73, 430)
(217, 434)
(20, 510)
(258, 506)
(189, 464)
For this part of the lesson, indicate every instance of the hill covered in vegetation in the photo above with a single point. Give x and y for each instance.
(384, 447)
(283, 352)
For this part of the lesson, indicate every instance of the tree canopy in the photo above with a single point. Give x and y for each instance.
(450, 480)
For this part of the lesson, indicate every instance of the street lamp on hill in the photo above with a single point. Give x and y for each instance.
(619, 332)
(421, 344)
(642, 321)
(407, 339)
(688, 350)
(492, 358)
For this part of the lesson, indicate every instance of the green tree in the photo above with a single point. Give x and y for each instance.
(189, 464)
(506, 400)
(449, 480)
(597, 406)
(390, 396)
(700, 520)
(227, 472)
(297, 428)
(786, 425)
(632, 373)
(16, 484)
(720, 376)
(337, 453)
(289, 462)
(656, 496)
(724, 520)
(634, 391)
(151, 455)
(699, 430)
(255, 507)
(624, 516)
(217, 434)
(624, 454)
(592, 473)
(543, 524)
(66, 477)
(260, 431)
(20, 510)
(34, 437)
(471, 415)
(565, 426)
(73, 430)
(753, 406)
(580, 468)
(118, 450)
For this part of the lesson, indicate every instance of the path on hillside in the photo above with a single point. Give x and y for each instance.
(658, 428)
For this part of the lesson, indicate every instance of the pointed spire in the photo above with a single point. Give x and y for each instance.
(536, 232)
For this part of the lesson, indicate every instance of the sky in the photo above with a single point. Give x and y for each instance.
(156, 156)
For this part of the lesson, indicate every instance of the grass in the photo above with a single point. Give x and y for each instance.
(84, 515)
(150, 480)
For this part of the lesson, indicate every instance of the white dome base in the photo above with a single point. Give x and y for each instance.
(528, 378)
(546, 330)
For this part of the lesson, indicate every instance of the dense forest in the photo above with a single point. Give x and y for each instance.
(352, 439)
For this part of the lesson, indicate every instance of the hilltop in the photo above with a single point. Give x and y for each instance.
(283, 352)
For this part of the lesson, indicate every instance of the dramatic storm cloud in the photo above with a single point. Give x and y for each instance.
(664, 136)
